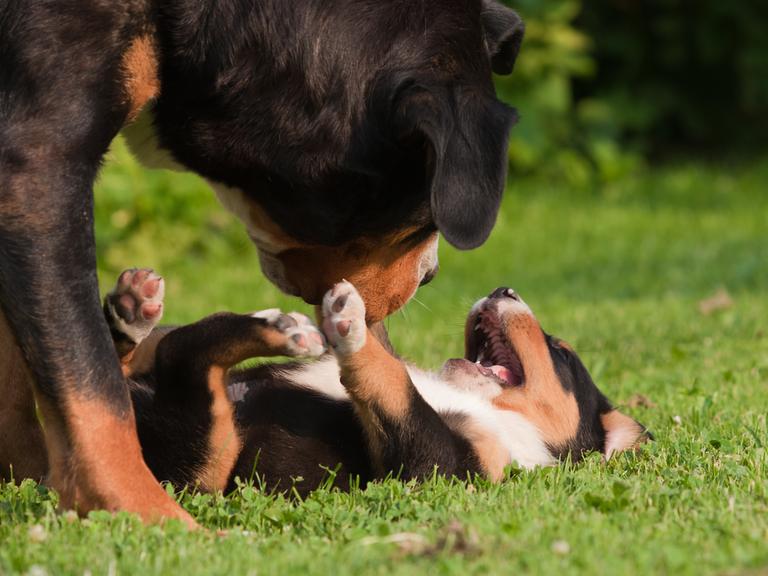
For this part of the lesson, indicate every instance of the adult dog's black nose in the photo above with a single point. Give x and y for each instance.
(504, 292)
(429, 276)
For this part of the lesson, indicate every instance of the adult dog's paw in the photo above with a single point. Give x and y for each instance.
(301, 336)
(344, 319)
(136, 302)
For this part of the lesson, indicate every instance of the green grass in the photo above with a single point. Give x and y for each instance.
(618, 273)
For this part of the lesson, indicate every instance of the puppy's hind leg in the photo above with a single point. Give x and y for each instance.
(191, 401)
(133, 309)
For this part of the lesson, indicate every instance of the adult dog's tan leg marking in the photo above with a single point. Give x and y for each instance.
(91, 468)
(22, 445)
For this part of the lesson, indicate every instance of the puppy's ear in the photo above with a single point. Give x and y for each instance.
(466, 156)
(504, 31)
(622, 433)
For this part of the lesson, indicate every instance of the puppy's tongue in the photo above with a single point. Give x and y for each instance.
(499, 371)
(502, 373)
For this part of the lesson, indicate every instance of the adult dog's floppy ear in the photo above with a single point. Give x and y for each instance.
(465, 140)
(622, 433)
(504, 32)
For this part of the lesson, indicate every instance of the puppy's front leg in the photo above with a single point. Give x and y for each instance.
(405, 434)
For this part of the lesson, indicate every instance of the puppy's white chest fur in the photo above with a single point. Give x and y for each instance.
(518, 436)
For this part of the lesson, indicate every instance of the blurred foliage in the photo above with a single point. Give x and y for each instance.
(604, 87)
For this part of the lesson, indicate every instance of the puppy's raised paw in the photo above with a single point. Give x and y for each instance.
(300, 336)
(135, 305)
(344, 319)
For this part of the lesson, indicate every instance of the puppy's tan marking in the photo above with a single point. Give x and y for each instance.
(141, 359)
(141, 80)
(491, 453)
(374, 378)
(223, 441)
(621, 433)
(542, 399)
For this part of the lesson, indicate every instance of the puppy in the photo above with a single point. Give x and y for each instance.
(518, 396)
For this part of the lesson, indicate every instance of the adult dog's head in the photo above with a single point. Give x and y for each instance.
(345, 133)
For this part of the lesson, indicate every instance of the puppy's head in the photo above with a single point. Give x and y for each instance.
(511, 361)
(353, 138)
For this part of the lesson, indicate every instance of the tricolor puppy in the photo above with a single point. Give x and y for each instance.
(518, 396)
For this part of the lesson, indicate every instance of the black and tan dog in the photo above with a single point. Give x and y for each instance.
(519, 395)
(344, 133)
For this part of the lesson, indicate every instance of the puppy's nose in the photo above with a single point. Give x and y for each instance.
(429, 276)
(504, 292)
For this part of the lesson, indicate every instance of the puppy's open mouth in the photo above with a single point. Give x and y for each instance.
(491, 351)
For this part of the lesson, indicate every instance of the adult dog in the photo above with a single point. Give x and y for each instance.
(344, 133)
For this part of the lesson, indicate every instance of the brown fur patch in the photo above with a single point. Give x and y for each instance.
(385, 276)
(491, 453)
(374, 378)
(223, 440)
(22, 445)
(142, 358)
(101, 465)
(621, 433)
(141, 80)
(542, 399)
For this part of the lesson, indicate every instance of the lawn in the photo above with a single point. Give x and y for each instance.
(621, 273)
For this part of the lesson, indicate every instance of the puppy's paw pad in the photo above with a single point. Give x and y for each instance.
(344, 318)
(136, 302)
(301, 336)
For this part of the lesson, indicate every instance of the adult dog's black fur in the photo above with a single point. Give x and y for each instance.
(345, 133)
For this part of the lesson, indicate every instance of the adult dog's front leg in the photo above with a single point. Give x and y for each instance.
(405, 434)
(49, 294)
(64, 99)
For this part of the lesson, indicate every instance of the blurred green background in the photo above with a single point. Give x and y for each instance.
(605, 88)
